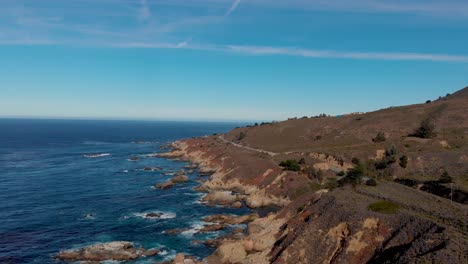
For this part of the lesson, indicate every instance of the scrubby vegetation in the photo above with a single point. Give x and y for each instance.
(291, 165)
(384, 207)
(387, 160)
(445, 178)
(241, 136)
(380, 137)
(426, 129)
(371, 182)
(403, 161)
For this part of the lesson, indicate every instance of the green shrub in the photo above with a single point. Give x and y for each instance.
(290, 165)
(445, 178)
(302, 161)
(403, 161)
(428, 101)
(341, 173)
(380, 137)
(356, 161)
(353, 176)
(384, 207)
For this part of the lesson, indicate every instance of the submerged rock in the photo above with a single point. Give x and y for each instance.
(118, 251)
(153, 215)
(175, 231)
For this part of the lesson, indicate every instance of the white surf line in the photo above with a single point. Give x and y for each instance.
(248, 148)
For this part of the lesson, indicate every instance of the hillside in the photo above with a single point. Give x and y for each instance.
(343, 193)
(351, 136)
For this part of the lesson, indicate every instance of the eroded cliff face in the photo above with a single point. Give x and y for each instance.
(320, 226)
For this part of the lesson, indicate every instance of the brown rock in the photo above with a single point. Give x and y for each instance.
(237, 231)
(231, 219)
(236, 205)
(212, 228)
(222, 198)
(180, 179)
(180, 172)
(165, 185)
(175, 231)
(232, 252)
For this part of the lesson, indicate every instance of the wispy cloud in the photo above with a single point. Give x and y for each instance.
(310, 53)
(233, 7)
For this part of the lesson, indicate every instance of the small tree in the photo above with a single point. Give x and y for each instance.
(428, 101)
(291, 165)
(302, 161)
(241, 136)
(426, 129)
(341, 173)
(356, 161)
(403, 161)
(445, 178)
(380, 137)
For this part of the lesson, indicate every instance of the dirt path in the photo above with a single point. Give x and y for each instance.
(248, 148)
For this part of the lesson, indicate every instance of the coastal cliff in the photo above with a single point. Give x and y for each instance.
(320, 218)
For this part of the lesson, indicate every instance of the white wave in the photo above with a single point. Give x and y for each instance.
(97, 155)
(195, 227)
(164, 215)
(95, 143)
(126, 171)
(89, 216)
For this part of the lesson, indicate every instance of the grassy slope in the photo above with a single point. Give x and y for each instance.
(351, 136)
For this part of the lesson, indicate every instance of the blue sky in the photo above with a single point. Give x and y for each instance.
(225, 59)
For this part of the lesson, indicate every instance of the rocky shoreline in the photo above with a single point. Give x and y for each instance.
(317, 226)
(311, 225)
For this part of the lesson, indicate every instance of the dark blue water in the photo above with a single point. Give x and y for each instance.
(53, 198)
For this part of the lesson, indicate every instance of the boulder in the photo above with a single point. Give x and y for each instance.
(180, 172)
(236, 205)
(219, 197)
(232, 252)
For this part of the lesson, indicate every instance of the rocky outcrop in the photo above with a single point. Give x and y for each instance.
(118, 251)
(231, 219)
(180, 179)
(164, 185)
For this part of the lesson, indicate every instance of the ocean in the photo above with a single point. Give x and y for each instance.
(53, 197)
